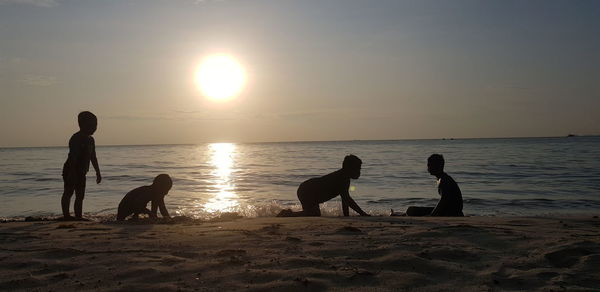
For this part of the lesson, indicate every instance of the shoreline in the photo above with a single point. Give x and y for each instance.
(228, 216)
(304, 254)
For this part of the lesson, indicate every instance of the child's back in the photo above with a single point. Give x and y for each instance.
(81, 149)
(315, 191)
(136, 200)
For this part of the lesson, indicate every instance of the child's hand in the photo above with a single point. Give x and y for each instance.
(98, 178)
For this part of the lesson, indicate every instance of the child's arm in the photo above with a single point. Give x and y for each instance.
(74, 153)
(345, 208)
(352, 204)
(442, 207)
(153, 210)
(95, 163)
(160, 204)
(439, 208)
(449, 200)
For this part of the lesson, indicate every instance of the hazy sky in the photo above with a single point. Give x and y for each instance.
(317, 70)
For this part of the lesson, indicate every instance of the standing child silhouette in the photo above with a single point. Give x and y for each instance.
(82, 151)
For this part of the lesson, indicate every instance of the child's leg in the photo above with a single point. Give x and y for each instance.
(79, 194)
(123, 211)
(311, 210)
(419, 211)
(122, 214)
(308, 200)
(65, 201)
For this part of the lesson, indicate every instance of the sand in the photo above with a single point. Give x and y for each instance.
(304, 254)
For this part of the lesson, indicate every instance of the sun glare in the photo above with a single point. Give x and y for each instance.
(222, 159)
(220, 77)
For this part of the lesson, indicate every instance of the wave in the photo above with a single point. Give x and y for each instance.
(498, 176)
(472, 207)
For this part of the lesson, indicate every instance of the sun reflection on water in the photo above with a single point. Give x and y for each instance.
(222, 159)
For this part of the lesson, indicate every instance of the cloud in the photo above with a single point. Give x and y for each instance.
(38, 80)
(206, 1)
(166, 116)
(335, 113)
(517, 87)
(207, 115)
(136, 117)
(37, 3)
(193, 112)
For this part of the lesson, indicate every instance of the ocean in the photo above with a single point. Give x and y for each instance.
(498, 177)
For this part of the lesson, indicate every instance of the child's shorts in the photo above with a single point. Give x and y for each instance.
(77, 183)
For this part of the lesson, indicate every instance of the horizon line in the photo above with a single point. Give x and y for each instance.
(308, 141)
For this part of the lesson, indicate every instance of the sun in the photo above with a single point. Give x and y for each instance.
(220, 77)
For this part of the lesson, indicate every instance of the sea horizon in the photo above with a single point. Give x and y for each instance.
(314, 141)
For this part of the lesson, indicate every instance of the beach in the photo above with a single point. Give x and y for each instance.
(304, 254)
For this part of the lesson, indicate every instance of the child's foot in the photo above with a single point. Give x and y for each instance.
(81, 219)
(66, 218)
(285, 213)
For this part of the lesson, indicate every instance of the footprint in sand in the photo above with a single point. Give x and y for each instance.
(349, 230)
(272, 229)
(569, 255)
(293, 239)
(230, 252)
(566, 257)
(184, 254)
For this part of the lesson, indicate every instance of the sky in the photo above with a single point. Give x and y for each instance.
(315, 70)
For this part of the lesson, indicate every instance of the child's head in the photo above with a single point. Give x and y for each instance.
(88, 123)
(352, 166)
(435, 164)
(162, 183)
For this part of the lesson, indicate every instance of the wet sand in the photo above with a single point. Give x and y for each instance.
(304, 254)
